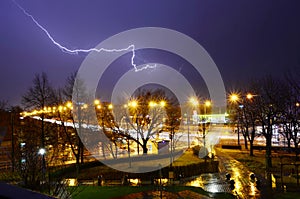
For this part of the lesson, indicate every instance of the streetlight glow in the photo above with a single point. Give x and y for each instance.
(42, 151)
(84, 106)
(110, 106)
(249, 96)
(234, 97)
(133, 104)
(207, 103)
(69, 104)
(194, 101)
(162, 103)
(96, 102)
(152, 104)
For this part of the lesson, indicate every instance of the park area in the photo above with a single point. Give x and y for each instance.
(113, 186)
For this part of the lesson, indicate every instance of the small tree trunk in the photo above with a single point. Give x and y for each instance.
(288, 141)
(145, 149)
(251, 147)
(246, 142)
(296, 150)
(82, 150)
(77, 165)
(268, 152)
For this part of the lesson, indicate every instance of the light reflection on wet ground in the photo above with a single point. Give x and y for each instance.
(244, 187)
(211, 182)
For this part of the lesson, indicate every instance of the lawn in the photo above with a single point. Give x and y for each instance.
(257, 162)
(287, 195)
(105, 192)
(119, 191)
(187, 158)
(91, 172)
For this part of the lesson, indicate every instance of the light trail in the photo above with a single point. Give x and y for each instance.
(76, 51)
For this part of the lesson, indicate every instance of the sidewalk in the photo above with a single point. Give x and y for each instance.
(244, 187)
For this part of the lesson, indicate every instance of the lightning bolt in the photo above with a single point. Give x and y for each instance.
(76, 51)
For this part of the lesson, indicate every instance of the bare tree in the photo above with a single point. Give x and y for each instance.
(268, 104)
(146, 114)
(291, 115)
(3, 105)
(39, 96)
(71, 135)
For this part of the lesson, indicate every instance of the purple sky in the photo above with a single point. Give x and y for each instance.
(246, 39)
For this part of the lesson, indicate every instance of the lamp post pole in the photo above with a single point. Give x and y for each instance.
(128, 144)
(188, 123)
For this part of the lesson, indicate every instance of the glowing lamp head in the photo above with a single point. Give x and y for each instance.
(133, 104)
(194, 101)
(207, 103)
(152, 104)
(162, 103)
(42, 151)
(234, 97)
(69, 104)
(249, 96)
(96, 102)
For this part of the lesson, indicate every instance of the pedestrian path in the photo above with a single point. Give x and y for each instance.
(211, 182)
(244, 186)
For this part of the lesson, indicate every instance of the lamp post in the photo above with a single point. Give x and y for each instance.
(207, 104)
(134, 104)
(234, 98)
(128, 144)
(42, 152)
(195, 103)
(237, 99)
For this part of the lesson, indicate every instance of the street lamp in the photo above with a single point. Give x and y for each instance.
(207, 104)
(195, 103)
(42, 152)
(96, 102)
(236, 98)
(134, 104)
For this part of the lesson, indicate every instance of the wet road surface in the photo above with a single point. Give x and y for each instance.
(244, 187)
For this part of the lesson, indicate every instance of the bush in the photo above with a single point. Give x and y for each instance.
(196, 150)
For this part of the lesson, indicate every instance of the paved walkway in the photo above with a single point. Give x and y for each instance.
(244, 186)
(211, 182)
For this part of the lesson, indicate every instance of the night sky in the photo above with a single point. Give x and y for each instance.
(246, 39)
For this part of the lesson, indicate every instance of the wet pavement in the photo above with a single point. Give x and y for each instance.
(211, 182)
(244, 187)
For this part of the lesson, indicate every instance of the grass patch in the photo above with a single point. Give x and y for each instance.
(91, 192)
(187, 158)
(257, 162)
(91, 170)
(287, 195)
